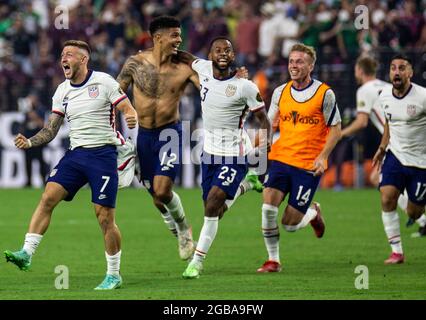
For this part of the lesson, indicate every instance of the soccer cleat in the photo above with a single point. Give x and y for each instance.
(317, 223)
(19, 258)
(269, 266)
(110, 282)
(193, 270)
(395, 258)
(420, 233)
(186, 244)
(254, 181)
(410, 222)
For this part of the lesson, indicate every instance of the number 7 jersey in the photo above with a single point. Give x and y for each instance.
(225, 104)
(406, 117)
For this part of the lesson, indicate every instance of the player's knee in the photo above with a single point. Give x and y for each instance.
(105, 219)
(213, 209)
(163, 195)
(49, 200)
(389, 201)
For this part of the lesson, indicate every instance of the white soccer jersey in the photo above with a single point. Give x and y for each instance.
(407, 124)
(367, 97)
(225, 104)
(89, 109)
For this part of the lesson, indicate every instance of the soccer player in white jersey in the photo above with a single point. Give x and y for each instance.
(87, 100)
(368, 107)
(403, 148)
(225, 102)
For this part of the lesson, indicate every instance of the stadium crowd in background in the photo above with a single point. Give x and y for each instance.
(263, 32)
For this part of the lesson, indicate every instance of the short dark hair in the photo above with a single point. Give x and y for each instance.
(78, 43)
(163, 22)
(401, 56)
(220, 38)
(368, 65)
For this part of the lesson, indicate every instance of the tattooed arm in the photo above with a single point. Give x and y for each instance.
(125, 78)
(42, 137)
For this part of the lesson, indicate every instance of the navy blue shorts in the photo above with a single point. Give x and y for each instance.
(223, 172)
(159, 158)
(96, 166)
(300, 184)
(401, 177)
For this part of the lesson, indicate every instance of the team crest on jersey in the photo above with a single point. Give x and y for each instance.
(411, 110)
(93, 91)
(230, 90)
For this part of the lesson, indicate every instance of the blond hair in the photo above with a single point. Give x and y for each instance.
(310, 51)
(368, 65)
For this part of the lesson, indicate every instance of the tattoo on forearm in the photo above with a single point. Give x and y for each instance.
(144, 76)
(49, 131)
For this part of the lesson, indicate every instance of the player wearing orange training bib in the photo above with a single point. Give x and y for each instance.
(309, 123)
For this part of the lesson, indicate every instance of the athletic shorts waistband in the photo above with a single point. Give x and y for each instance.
(171, 125)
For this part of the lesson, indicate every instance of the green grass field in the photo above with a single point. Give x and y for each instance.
(151, 269)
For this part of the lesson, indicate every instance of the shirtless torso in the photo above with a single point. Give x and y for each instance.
(157, 88)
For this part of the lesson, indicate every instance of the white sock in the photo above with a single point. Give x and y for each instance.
(170, 222)
(230, 202)
(113, 263)
(422, 220)
(391, 224)
(207, 235)
(270, 231)
(32, 240)
(245, 186)
(403, 201)
(309, 215)
(176, 210)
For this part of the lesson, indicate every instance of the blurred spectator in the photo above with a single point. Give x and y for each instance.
(33, 123)
(247, 40)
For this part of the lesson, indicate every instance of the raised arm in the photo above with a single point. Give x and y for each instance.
(44, 136)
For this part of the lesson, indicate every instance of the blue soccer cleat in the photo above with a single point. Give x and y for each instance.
(110, 282)
(19, 258)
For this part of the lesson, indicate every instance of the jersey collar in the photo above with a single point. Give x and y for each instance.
(89, 74)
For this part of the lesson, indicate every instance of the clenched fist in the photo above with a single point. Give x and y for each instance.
(21, 142)
(131, 121)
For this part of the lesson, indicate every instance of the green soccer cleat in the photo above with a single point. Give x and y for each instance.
(254, 181)
(193, 271)
(110, 282)
(19, 258)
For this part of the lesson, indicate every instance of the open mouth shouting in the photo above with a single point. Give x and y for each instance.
(67, 70)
